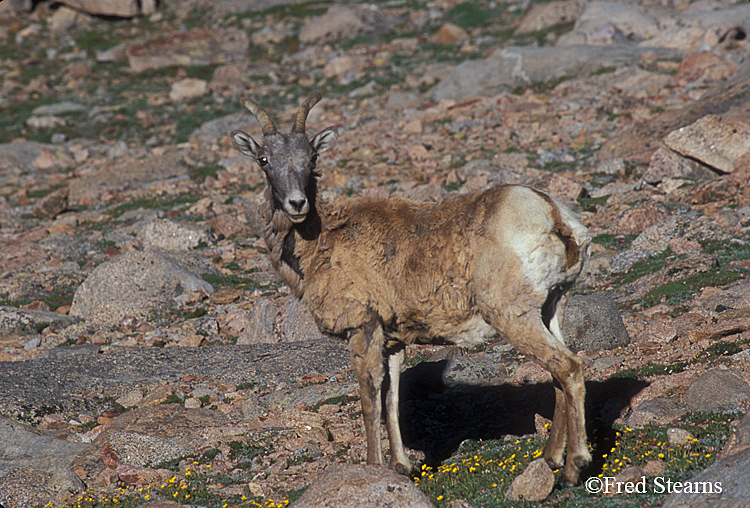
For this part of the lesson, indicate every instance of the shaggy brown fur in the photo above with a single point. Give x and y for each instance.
(385, 273)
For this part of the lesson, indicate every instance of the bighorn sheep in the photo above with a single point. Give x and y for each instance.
(385, 273)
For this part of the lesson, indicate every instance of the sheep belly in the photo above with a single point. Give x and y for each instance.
(472, 333)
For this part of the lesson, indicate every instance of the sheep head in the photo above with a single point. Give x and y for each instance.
(288, 160)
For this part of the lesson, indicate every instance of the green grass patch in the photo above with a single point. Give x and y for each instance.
(645, 267)
(613, 241)
(174, 399)
(541, 87)
(471, 15)
(591, 204)
(338, 399)
(241, 450)
(710, 433)
(736, 250)
(717, 350)
(481, 472)
(419, 356)
(729, 255)
(680, 291)
(625, 374)
(231, 281)
(651, 369)
(166, 203)
(604, 70)
(247, 385)
(200, 312)
(200, 172)
(54, 298)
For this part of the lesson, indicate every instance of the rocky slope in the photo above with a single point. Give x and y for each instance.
(141, 325)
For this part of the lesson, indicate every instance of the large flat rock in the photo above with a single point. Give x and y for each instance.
(88, 379)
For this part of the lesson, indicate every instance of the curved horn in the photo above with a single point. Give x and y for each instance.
(259, 113)
(304, 109)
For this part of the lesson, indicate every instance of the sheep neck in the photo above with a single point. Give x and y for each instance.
(282, 236)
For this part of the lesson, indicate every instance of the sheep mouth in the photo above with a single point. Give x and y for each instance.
(297, 218)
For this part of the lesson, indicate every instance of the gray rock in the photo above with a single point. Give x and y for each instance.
(59, 108)
(623, 261)
(666, 164)
(534, 484)
(73, 384)
(32, 343)
(686, 226)
(128, 172)
(25, 152)
(170, 236)
(269, 437)
(69, 351)
(199, 46)
(489, 369)
(402, 100)
(288, 398)
(593, 323)
(358, 486)
(119, 8)
(20, 321)
(658, 411)
(655, 239)
(144, 450)
(35, 466)
(139, 284)
(544, 15)
(653, 26)
(130, 399)
(261, 328)
(518, 66)
(253, 406)
(634, 21)
(731, 472)
(116, 53)
(213, 130)
(45, 122)
(224, 7)
(298, 323)
(150, 436)
(21, 5)
(718, 389)
(712, 140)
(52, 205)
(343, 22)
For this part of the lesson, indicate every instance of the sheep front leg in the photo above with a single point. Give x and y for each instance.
(366, 347)
(399, 461)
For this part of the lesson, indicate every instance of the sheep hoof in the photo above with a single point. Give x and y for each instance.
(402, 469)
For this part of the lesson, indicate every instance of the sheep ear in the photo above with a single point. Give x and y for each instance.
(325, 140)
(245, 144)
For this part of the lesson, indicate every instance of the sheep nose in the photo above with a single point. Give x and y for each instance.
(298, 204)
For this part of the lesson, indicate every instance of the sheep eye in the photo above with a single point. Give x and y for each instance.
(314, 160)
(262, 161)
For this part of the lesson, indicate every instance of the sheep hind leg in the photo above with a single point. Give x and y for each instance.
(554, 450)
(531, 337)
(399, 460)
(569, 372)
(578, 451)
(367, 359)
